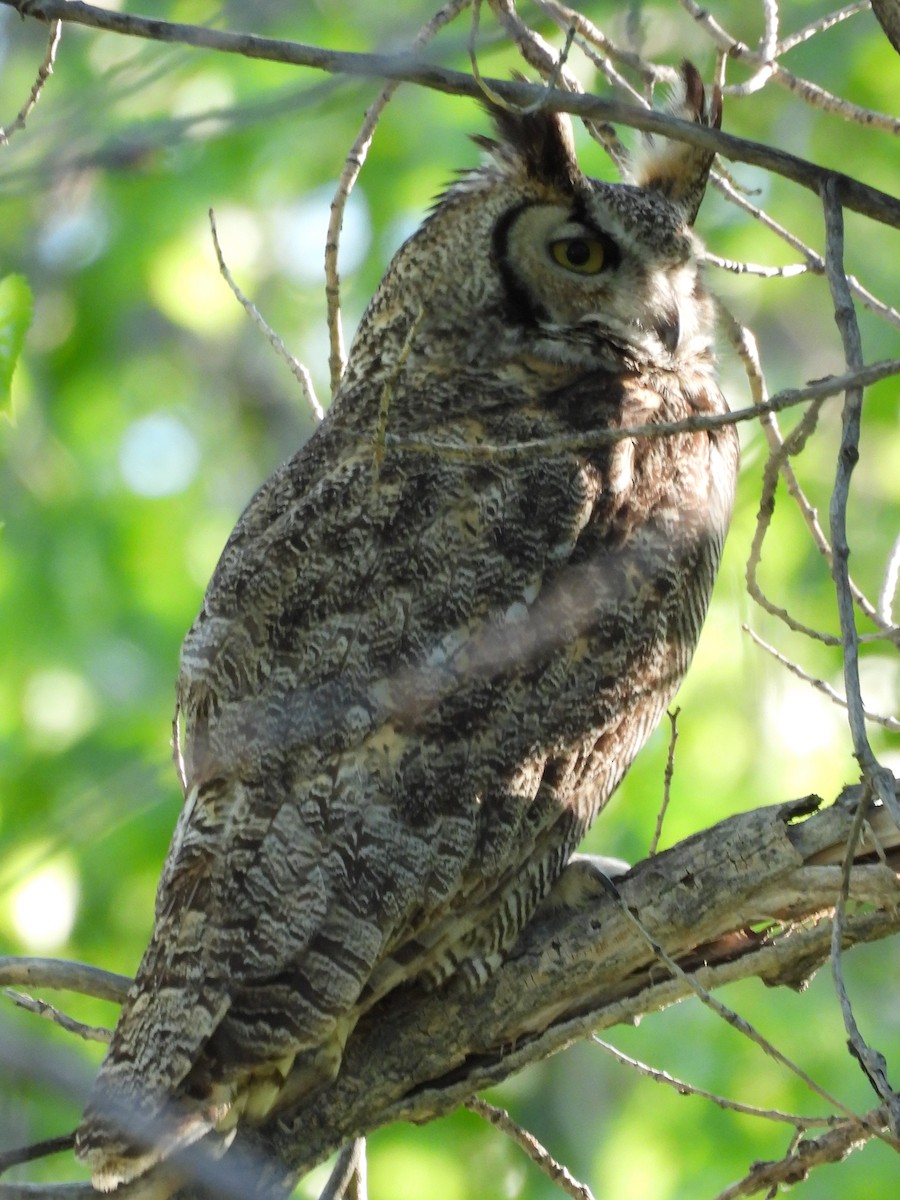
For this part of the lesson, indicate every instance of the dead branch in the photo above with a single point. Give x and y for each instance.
(789, 398)
(44, 72)
(57, 975)
(807, 1153)
(411, 69)
(90, 1033)
(298, 370)
(879, 779)
(419, 1055)
(555, 1171)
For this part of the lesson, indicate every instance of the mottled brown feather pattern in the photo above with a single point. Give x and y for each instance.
(419, 671)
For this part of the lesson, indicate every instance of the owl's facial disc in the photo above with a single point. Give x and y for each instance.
(574, 280)
(551, 262)
(582, 249)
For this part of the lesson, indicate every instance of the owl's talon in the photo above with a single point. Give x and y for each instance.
(586, 877)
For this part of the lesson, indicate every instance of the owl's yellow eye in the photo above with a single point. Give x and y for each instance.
(584, 255)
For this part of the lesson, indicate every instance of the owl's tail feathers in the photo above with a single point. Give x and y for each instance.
(143, 1107)
(125, 1133)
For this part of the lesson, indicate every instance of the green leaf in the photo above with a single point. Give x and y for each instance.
(15, 317)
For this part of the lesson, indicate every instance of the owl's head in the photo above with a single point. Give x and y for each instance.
(528, 264)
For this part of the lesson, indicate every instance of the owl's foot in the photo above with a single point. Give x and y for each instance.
(585, 878)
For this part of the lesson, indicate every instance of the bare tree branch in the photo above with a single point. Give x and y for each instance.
(830, 1147)
(668, 774)
(879, 779)
(55, 974)
(555, 1171)
(91, 1033)
(410, 69)
(688, 1089)
(298, 370)
(888, 722)
(44, 72)
(350, 1164)
(17, 1158)
(819, 26)
(353, 164)
(819, 389)
(872, 1063)
(768, 68)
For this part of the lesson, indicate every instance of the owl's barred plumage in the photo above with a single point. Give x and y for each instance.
(421, 668)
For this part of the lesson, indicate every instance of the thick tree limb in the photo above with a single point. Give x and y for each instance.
(411, 69)
(585, 966)
(576, 970)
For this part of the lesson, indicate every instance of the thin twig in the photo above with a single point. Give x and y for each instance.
(744, 342)
(820, 685)
(44, 72)
(826, 101)
(728, 1014)
(20, 1155)
(881, 780)
(765, 54)
(778, 462)
(819, 389)
(810, 92)
(486, 89)
(554, 1170)
(689, 1089)
(552, 69)
(672, 714)
(533, 49)
(299, 371)
(537, 52)
(576, 24)
(790, 271)
(350, 1162)
(782, 451)
(408, 68)
(382, 437)
(872, 1063)
(90, 1033)
(566, 18)
(804, 1155)
(353, 164)
(815, 261)
(819, 26)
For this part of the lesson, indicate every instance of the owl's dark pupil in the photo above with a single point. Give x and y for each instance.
(578, 252)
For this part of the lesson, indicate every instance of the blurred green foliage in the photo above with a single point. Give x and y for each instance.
(15, 317)
(146, 409)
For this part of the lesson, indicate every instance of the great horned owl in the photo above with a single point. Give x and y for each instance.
(437, 636)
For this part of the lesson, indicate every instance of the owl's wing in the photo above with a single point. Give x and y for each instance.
(335, 771)
(404, 699)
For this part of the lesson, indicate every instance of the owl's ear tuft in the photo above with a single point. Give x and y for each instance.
(674, 169)
(540, 143)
